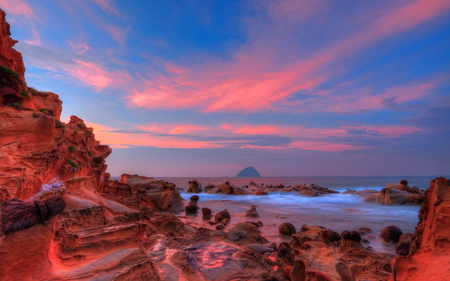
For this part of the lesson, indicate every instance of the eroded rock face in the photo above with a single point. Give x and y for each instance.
(163, 195)
(429, 258)
(8, 56)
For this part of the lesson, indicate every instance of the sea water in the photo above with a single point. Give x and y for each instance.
(334, 211)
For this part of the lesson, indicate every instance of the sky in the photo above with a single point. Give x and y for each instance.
(291, 87)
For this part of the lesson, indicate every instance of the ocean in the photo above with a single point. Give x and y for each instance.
(335, 211)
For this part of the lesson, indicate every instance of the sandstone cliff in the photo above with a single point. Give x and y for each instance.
(429, 257)
(35, 146)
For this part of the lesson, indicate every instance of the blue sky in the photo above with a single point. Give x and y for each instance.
(207, 88)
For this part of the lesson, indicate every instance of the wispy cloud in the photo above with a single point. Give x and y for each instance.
(252, 81)
(108, 7)
(18, 8)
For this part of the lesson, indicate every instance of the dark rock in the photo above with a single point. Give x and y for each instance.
(405, 238)
(222, 215)
(191, 209)
(260, 248)
(220, 226)
(55, 205)
(259, 223)
(18, 215)
(248, 172)
(194, 186)
(98, 160)
(333, 236)
(402, 248)
(206, 213)
(355, 236)
(391, 234)
(286, 228)
(252, 213)
(42, 209)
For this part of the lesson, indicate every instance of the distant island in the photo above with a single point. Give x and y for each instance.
(248, 172)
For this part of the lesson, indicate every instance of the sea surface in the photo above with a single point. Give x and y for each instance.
(335, 211)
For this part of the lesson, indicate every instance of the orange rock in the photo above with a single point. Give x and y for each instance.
(429, 258)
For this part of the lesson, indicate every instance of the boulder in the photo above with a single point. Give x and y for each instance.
(286, 228)
(206, 213)
(252, 213)
(222, 215)
(194, 186)
(211, 188)
(244, 233)
(391, 234)
(18, 215)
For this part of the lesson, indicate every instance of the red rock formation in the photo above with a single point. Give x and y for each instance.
(8, 56)
(429, 257)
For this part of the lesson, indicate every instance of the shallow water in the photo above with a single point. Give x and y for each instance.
(335, 211)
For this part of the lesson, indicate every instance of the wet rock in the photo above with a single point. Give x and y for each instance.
(206, 213)
(406, 238)
(391, 196)
(226, 188)
(364, 230)
(192, 208)
(222, 215)
(211, 188)
(350, 240)
(194, 186)
(260, 248)
(403, 185)
(391, 234)
(402, 248)
(252, 213)
(220, 226)
(286, 228)
(240, 191)
(244, 232)
(349, 192)
(259, 223)
(213, 260)
(333, 236)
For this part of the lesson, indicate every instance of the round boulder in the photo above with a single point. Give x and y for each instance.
(391, 234)
(222, 215)
(287, 228)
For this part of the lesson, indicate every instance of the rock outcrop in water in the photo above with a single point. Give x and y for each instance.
(248, 172)
(429, 258)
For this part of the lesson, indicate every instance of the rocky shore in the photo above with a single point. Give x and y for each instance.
(63, 219)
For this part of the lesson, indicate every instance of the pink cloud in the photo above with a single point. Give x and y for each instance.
(36, 40)
(166, 136)
(96, 76)
(117, 34)
(249, 83)
(107, 6)
(106, 135)
(79, 47)
(18, 8)
(365, 100)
